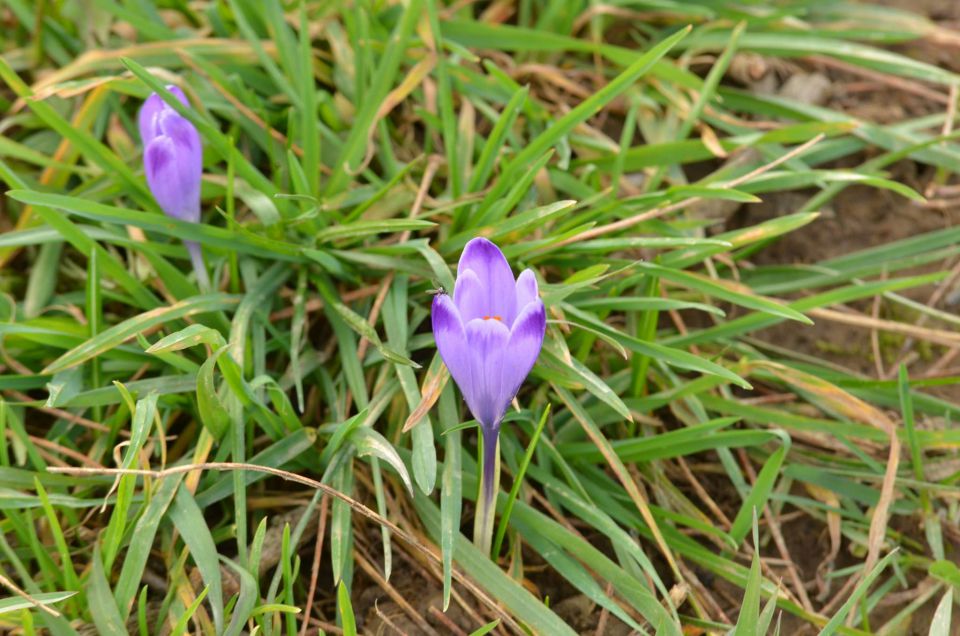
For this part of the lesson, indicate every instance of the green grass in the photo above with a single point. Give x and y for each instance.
(663, 449)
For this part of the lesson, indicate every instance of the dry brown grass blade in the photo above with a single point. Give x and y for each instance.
(200, 454)
(833, 528)
(67, 416)
(102, 60)
(935, 336)
(703, 495)
(549, 74)
(604, 613)
(881, 513)
(364, 561)
(13, 587)
(188, 595)
(315, 567)
(407, 86)
(429, 571)
(440, 617)
(433, 383)
(886, 79)
(703, 599)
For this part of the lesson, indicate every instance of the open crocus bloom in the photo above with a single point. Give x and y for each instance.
(489, 335)
(490, 332)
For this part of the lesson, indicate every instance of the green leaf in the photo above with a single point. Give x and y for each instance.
(361, 229)
(747, 621)
(16, 603)
(946, 571)
(363, 328)
(120, 333)
(63, 387)
(668, 355)
(495, 581)
(370, 442)
(102, 606)
(517, 481)
(213, 412)
(486, 629)
(584, 110)
(450, 489)
(940, 624)
(725, 292)
(277, 455)
(836, 621)
(184, 620)
(205, 234)
(188, 518)
(341, 530)
(141, 543)
(345, 610)
(762, 487)
(799, 44)
(573, 373)
(190, 336)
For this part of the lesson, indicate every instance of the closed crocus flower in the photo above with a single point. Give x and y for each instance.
(173, 163)
(489, 334)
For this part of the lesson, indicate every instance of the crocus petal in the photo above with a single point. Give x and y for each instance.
(451, 340)
(470, 297)
(487, 341)
(182, 132)
(174, 178)
(152, 107)
(186, 139)
(178, 94)
(526, 339)
(491, 267)
(148, 116)
(526, 290)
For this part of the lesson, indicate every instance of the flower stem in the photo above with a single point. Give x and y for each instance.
(489, 468)
(196, 257)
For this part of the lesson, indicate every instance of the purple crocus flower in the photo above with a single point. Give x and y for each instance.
(173, 163)
(489, 334)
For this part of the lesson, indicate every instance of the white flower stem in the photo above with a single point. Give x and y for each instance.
(488, 467)
(196, 257)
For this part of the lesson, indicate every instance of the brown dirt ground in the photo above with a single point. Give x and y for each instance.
(860, 218)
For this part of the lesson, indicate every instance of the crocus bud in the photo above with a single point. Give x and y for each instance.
(173, 163)
(172, 157)
(489, 335)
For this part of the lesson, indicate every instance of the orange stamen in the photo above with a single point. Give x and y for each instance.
(497, 318)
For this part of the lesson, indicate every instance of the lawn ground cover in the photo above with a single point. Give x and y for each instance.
(742, 218)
